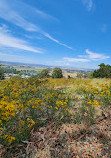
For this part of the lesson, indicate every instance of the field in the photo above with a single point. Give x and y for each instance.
(37, 69)
(55, 118)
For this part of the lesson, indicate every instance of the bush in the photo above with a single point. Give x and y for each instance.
(26, 104)
(44, 73)
(57, 73)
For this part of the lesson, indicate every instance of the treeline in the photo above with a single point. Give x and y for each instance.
(11, 70)
(19, 72)
(56, 73)
(104, 71)
(45, 73)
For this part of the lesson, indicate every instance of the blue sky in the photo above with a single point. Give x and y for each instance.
(70, 33)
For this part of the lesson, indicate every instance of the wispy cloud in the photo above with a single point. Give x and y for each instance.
(89, 4)
(96, 56)
(8, 13)
(76, 59)
(90, 56)
(45, 15)
(9, 41)
(53, 39)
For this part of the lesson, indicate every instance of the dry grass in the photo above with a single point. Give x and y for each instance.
(80, 134)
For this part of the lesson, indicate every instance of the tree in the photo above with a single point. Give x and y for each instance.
(44, 73)
(1, 73)
(91, 74)
(103, 71)
(57, 73)
(68, 76)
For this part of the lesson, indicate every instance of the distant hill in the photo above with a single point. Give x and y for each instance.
(70, 69)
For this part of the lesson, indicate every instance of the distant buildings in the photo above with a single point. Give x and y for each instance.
(9, 75)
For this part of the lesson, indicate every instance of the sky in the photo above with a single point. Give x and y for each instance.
(68, 33)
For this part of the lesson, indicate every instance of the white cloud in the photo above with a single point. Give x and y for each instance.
(89, 4)
(9, 41)
(4, 28)
(8, 13)
(53, 39)
(76, 59)
(96, 56)
(90, 56)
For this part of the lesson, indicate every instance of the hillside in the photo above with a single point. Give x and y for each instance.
(55, 118)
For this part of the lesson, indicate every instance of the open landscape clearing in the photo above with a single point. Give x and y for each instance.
(55, 79)
(22, 68)
(52, 117)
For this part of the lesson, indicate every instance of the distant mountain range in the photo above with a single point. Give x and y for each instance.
(44, 66)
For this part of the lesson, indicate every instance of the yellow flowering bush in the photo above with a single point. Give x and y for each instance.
(30, 103)
(25, 103)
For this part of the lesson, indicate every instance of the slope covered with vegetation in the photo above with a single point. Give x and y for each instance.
(49, 116)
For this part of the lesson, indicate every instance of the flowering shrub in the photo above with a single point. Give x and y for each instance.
(26, 103)
(29, 103)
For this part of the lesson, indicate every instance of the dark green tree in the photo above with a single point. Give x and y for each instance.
(104, 71)
(57, 73)
(1, 73)
(44, 73)
(68, 76)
